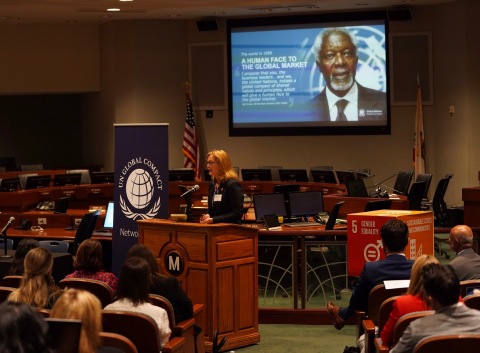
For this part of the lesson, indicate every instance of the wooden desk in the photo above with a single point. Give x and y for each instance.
(62, 265)
(357, 204)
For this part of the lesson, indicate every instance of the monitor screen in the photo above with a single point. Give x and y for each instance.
(103, 177)
(108, 223)
(37, 181)
(283, 78)
(293, 175)
(308, 203)
(181, 175)
(323, 176)
(268, 204)
(256, 174)
(345, 175)
(67, 179)
(9, 184)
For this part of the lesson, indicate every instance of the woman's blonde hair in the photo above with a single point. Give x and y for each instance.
(416, 282)
(37, 287)
(223, 160)
(77, 304)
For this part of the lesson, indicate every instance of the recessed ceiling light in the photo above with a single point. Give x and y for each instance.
(113, 9)
(125, 0)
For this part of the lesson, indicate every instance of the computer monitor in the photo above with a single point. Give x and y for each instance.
(323, 176)
(103, 177)
(344, 175)
(304, 204)
(268, 204)
(293, 175)
(37, 181)
(256, 174)
(187, 174)
(402, 183)
(67, 179)
(108, 223)
(9, 184)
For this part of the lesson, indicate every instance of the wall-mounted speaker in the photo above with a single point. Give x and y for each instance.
(403, 14)
(207, 25)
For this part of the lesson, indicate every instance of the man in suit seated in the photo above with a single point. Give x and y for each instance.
(467, 262)
(442, 287)
(395, 266)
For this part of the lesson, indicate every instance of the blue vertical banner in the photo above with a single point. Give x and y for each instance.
(141, 182)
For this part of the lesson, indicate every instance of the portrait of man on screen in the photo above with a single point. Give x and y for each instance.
(343, 99)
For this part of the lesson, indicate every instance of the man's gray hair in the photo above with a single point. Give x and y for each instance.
(317, 45)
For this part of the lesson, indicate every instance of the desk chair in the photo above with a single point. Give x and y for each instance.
(110, 339)
(332, 218)
(142, 330)
(11, 281)
(100, 289)
(23, 179)
(402, 183)
(449, 343)
(9, 244)
(428, 179)
(64, 334)
(85, 179)
(415, 195)
(438, 204)
(84, 231)
(54, 246)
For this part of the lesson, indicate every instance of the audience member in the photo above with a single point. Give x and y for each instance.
(467, 262)
(414, 300)
(76, 304)
(22, 329)
(165, 286)
(394, 266)
(23, 247)
(89, 264)
(132, 293)
(451, 317)
(37, 287)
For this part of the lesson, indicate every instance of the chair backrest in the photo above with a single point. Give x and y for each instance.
(9, 244)
(165, 304)
(428, 179)
(23, 179)
(110, 339)
(332, 217)
(85, 228)
(54, 246)
(5, 292)
(12, 281)
(464, 342)
(64, 334)
(85, 179)
(438, 204)
(467, 286)
(378, 205)
(402, 183)
(384, 312)
(403, 322)
(100, 289)
(415, 195)
(472, 301)
(377, 296)
(141, 329)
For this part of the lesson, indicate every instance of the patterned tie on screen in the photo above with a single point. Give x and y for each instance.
(341, 104)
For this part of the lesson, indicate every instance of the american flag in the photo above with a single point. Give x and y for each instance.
(190, 142)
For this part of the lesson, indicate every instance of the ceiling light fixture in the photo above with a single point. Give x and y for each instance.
(113, 10)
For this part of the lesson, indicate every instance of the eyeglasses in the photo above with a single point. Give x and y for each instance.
(211, 162)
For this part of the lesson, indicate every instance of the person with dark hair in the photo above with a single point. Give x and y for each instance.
(442, 287)
(467, 262)
(22, 329)
(89, 264)
(165, 286)
(343, 99)
(37, 287)
(132, 295)
(23, 247)
(395, 266)
(225, 195)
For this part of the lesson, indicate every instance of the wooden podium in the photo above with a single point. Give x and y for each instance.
(216, 265)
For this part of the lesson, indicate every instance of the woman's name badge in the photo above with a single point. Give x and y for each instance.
(217, 198)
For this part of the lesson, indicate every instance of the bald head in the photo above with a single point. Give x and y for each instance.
(461, 237)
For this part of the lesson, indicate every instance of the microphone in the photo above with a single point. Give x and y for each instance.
(193, 189)
(4, 230)
(390, 177)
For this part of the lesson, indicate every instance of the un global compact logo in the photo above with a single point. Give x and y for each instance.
(140, 181)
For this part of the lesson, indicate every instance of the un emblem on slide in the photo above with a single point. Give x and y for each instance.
(174, 263)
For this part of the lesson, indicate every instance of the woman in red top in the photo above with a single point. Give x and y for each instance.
(413, 300)
(89, 264)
